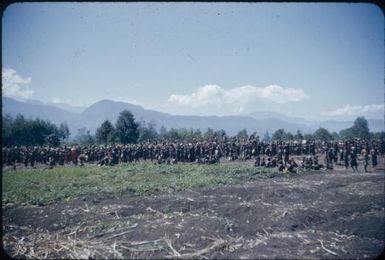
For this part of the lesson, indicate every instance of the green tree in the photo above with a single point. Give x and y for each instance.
(64, 131)
(335, 136)
(53, 140)
(289, 136)
(163, 132)
(6, 136)
(298, 135)
(182, 134)
(197, 134)
(360, 128)
(21, 131)
(220, 135)
(242, 135)
(105, 133)
(279, 135)
(147, 132)
(177, 134)
(322, 134)
(209, 134)
(126, 128)
(378, 135)
(346, 133)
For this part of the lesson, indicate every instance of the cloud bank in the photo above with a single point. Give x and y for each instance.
(14, 85)
(349, 110)
(214, 95)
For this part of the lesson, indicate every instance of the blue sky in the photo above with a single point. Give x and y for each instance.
(317, 61)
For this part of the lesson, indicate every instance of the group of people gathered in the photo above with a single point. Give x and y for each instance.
(265, 154)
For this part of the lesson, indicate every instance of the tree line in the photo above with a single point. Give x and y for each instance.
(359, 129)
(107, 133)
(126, 130)
(32, 132)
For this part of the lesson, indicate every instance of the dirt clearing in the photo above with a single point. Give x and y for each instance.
(325, 214)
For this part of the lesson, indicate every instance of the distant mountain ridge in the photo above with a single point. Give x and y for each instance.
(92, 117)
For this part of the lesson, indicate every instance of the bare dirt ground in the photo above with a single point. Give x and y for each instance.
(319, 214)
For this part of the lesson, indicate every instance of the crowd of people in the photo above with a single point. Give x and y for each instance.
(264, 154)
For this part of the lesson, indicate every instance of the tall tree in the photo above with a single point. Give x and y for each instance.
(6, 136)
(209, 134)
(220, 135)
(279, 135)
(147, 132)
(127, 128)
(378, 135)
(360, 128)
(308, 137)
(335, 136)
(242, 134)
(53, 140)
(64, 131)
(105, 133)
(322, 134)
(197, 134)
(163, 132)
(21, 131)
(298, 135)
(289, 136)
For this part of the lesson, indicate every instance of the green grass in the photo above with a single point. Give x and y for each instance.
(46, 186)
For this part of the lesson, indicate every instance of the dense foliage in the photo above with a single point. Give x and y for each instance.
(28, 132)
(106, 133)
(359, 129)
(127, 128)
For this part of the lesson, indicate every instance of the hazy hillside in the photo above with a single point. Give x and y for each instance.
(37, 109)
(93, 116)
(110, 110)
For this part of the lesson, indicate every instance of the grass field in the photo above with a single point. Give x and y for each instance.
(46, 186)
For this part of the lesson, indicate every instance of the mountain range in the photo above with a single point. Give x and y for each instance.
(92, 117)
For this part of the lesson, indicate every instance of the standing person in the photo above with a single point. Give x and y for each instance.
(341, 153)
(330, 155)
(353, 160)
(74, 156)
(346, 158)
(374, 157)
(286, 153)
(257, 161)
(365, 154)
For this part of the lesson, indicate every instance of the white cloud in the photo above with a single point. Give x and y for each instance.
(349, 110)
(214, 95)
(14, 85)
(56, 100)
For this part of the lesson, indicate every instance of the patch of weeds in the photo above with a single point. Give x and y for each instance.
(45, 186)
(167, 210)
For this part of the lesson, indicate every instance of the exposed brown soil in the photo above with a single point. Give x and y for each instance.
(323, 214)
